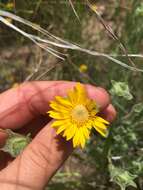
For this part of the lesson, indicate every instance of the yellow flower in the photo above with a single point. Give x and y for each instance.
(75, 116)
(83, 68)
(10, 5)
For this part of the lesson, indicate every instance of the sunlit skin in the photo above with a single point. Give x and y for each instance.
(23, 109)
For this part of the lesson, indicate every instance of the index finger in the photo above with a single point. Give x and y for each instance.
(18, 106)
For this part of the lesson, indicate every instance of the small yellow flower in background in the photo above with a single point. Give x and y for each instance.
(10, 5)
(83, 68)
(75, 116)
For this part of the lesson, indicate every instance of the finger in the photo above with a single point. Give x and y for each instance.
(20, 105)
(109, 113)
(100, 95)
(40, 160)
(34, 126)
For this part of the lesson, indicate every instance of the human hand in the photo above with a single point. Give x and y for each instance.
(23, 109)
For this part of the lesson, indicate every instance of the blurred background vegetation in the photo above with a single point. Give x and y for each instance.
(113, 163)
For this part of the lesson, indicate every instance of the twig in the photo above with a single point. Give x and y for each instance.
(48, 70)
(110, 31)
(55, 41)
(71, 3)
(36, 69)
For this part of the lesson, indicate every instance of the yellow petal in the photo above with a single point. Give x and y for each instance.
(57, 115)
(91, 104)
(100, 119)
(82, 138)
(89, 124)
(69, 133)
(60, 122)
(99, 124)
(63, 101)
(59, 108)
(72, 96)
(86, 132)
(61, 129)
(62, 111)
(80, 93)
(76, 139)
(104, 133)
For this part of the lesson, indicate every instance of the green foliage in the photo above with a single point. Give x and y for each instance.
(120, 89)
(137, 108)
(65, 180)
(139, 10)
(122, 177)
(15, 143)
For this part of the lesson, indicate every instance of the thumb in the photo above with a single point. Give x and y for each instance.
(37, 163)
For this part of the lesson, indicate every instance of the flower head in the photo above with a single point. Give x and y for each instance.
(75, 116)
(83, 68)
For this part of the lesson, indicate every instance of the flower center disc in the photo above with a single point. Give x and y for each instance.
(80, 114)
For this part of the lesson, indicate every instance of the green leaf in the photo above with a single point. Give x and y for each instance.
(121, 89)
(15, 143)
(138, 107)
(139, 10)
(121, 177)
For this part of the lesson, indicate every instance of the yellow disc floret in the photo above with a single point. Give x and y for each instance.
(80, 114)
